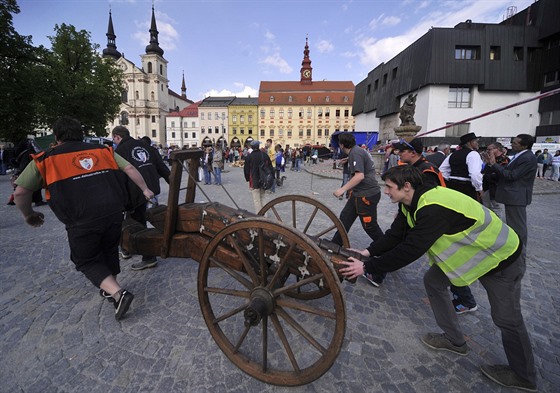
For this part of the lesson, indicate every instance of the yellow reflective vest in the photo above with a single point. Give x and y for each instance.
(467, 255)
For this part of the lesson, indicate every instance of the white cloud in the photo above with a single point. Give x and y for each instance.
(244, 91)
(325, 46)
(277, 62)
(384, 21)
(167, 37)
(375, 50)
(391, 21)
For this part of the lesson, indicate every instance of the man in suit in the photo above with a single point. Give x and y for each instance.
(443, 151)
(515, 183)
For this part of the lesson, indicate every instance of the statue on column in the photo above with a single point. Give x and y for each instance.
(407, 111)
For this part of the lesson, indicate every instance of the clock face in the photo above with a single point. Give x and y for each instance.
(307, 73)
(123, 66)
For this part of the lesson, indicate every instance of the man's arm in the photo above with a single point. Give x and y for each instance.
(137, 178)
(445, 168)
(353, 182)
(23, 198)
(474, 163)
(513, 172)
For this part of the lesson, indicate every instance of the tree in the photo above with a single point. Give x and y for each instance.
(20, 80)
(81, 83)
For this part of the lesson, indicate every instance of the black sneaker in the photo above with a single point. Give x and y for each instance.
(107, 296)
(123, 304)
(124, 254)
(505, 376)
(144, 264)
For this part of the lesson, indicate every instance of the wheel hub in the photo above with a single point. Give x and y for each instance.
(260, 305)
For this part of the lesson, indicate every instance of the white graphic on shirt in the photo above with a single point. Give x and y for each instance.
(86, 163)
(140, 154)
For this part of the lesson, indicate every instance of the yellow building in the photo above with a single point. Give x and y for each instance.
(243, 120)
(297, 113)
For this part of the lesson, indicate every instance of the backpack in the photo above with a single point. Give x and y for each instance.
(266, 174)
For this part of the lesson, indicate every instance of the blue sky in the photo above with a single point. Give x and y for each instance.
(226, 47)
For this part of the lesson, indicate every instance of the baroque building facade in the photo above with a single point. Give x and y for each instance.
(146, 98)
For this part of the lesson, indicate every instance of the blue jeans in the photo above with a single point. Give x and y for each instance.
(207, 175)
(218, 175)
(298, 163)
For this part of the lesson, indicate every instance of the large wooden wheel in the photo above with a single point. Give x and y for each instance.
(306, 214)
(313, 219)
(242, 294)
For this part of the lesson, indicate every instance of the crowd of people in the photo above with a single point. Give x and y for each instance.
(465, 210)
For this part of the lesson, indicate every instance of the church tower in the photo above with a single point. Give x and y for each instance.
(306, 71)
(111, 50)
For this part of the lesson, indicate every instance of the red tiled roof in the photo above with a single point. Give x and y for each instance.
(318, 91)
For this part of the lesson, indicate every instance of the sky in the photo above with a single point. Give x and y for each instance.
(227, 47)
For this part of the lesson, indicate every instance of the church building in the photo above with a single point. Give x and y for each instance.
(146, 96)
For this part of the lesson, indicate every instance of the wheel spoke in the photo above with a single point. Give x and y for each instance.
(262, 261)
(318, 235)
(293, 323)
(231, 292)
(265, 344)
(246, 263)
(299, 284)
(302, 307)
(311, 218)
(230, 314)
(282, 268)
(294, 214)
(242, 280)
(282, 336)
(241, 338)
(276, 214)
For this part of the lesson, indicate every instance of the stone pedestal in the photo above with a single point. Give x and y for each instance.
(407, 131)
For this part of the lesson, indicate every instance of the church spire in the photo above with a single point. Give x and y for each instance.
(183, 87)
(306, 69)
(153, 47)
(111, 50)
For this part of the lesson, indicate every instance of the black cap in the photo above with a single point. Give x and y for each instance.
(415, 145)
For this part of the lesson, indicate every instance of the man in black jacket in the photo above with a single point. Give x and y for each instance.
(145, 160)
(251, 172)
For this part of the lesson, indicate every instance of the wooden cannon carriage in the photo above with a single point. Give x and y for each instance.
(268, 288)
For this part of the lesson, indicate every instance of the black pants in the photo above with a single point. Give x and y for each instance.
(94, 248)
(366, 209)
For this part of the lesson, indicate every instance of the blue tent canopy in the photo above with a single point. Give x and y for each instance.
(368, 138)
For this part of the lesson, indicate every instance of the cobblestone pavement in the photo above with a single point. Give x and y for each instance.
(57, 335)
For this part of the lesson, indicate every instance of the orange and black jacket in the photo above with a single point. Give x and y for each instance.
(83, 182)
(430, 173)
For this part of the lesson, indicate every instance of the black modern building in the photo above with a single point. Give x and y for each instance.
(469, 70)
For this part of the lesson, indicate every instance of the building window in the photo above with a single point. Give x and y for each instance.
(301, 113)
(384, 79)
(123, 121)
(280, 133)
(368, 90)
(308, 133)
(202, 130)
(152, 96)
(394, 73)
(262, 133)
(320, 112)
(209, 115)
(172, 124)
(337, 113)
(457, 130)
(327, 99)
(272, 113)
(162, 87)
(319, 133)
(154, 133)
(281, 113)
(290, 99)
(250, 118)
(242, 131)
(346, 112)
(201, 115)
(262, 113)
(272, 132)
(550, 118)
(149, 67)
(289, 133)
(234, 131)
(376, 84)
(242, 118)
(161, 69)
(193, 135)
(308, 98)
(234, 118)
(153, 119)
(217, 116)
(327, 112)
(290, 113)
(300, 133)
(518, 53)
(495, 53)
(345, 98)
(124, 96)
(250, 131)
(173, 135)
(551, 78)
(459, 97)
(326, 132)
(271, 98)
(309, 113)
(467, 52)
(137, 95)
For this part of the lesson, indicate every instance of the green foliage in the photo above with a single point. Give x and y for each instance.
(40, 85)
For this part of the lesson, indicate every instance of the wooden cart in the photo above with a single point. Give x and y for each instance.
(267, 287)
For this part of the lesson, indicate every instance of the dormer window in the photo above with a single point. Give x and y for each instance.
(345, 98)
(290, 99)
(271, 98)
(327, 99)
(308, 98)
